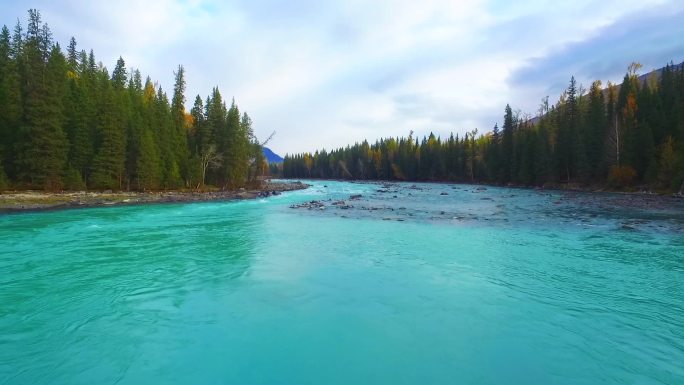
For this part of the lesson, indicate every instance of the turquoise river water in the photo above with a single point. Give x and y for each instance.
(407, 284)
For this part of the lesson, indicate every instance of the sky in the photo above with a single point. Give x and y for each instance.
(324, 74)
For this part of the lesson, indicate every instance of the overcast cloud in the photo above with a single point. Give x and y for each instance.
(327, 74)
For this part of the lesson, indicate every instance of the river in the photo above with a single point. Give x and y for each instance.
(406, 284)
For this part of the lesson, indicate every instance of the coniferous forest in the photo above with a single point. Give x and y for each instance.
(621, 136)
(67, 123)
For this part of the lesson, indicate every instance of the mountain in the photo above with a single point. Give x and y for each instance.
(271, 156)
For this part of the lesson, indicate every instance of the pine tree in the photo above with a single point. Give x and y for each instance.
(234, 149)
(10, 100)
(212, 133)
(596, 131)
(567, 134)
(42, 142)
(148, 167)
(179, 133)
(166, 139)
(76, 124)
(110, 158)
(119, 75)
(72, 55)
(507, 145)
(198, 140)
(543, 168)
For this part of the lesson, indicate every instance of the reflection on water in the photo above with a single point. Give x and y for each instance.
(408, 283)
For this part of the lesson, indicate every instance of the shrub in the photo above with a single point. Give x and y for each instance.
(621, 176)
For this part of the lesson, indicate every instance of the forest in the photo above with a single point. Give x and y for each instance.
(67, 123)
(624, 136)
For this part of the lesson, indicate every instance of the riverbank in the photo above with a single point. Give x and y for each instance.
(26, 201)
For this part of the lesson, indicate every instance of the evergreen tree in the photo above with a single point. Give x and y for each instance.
(110, 158)
(72, 55)
(119, 75)
(566, 145)
(507, 146)
(42, 143)
(148, 167)
(64, 122)
(596, 131)
(10, 100)
(211, 137)
(179, 133)
(199, 140)
(166, 139)
(235, 148)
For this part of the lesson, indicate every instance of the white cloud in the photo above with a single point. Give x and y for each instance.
(325, 74)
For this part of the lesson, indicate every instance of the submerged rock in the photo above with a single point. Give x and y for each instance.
(627, 227)
(309, 205)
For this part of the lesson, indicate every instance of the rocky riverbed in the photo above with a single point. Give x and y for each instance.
(37, 200)
(471, 205)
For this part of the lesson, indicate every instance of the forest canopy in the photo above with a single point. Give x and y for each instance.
(66, 122)
(619, 136)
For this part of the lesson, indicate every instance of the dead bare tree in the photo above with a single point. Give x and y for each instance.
(256, 168)
(209, 159)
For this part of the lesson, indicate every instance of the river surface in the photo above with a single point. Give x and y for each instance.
(407, 284)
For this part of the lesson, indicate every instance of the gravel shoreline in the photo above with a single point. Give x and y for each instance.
(28, 201)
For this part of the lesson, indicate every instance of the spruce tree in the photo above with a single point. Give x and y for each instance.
(119, 75)
(148, 166)
(72, 55)
(10, 100)
(198, 140)
(507, 145)
(42, 143)
(233, 149)
(179, 140)
(596, 131)
(110, 158)
(166, 139)
(212, 134)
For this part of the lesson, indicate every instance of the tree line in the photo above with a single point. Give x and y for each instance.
(67, 123)
(622, 136)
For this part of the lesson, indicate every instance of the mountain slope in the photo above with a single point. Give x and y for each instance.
(271, 156)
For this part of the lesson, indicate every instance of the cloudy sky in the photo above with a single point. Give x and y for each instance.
(330, 73)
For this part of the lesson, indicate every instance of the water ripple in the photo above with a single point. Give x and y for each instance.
(491, 286)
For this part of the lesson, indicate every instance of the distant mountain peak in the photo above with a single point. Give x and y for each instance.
(271, 156)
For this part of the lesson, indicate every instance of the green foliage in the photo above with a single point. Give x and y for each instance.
(65, 123)
(148, 167)
(41, 143)
(10, 100)
(109, 161)
(620, 138)
(179, 142)
(595, 131)
(73, 180)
